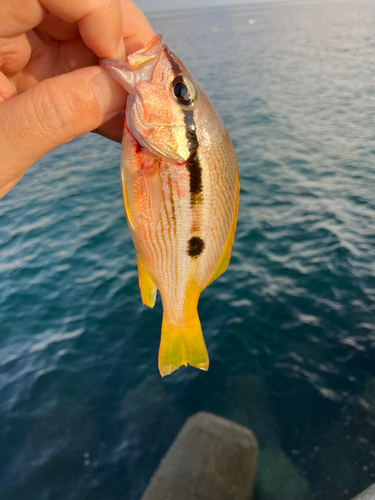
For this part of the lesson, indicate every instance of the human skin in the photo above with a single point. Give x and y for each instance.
(51, 88)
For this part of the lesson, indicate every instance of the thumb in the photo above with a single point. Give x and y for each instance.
(51, 113)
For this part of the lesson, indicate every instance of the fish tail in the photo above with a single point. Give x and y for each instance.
(182, 344)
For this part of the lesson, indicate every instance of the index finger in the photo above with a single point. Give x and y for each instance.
(99, 21)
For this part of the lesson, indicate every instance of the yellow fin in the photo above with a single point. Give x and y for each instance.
(183, 344)
(148, 289)
(225, 258)
(126, 200)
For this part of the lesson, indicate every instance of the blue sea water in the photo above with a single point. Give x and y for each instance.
(84, 413)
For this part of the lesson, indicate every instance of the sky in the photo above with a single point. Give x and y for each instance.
(171, 5)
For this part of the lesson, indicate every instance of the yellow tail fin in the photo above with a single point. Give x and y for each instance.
(183, 343)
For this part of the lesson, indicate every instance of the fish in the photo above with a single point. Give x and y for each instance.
(180, 188)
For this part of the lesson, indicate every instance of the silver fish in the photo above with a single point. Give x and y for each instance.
(181, 192)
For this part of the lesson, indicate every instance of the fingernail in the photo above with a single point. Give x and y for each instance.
(110, 94)
(121, 51)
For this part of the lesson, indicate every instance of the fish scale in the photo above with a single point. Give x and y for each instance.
(181, 193)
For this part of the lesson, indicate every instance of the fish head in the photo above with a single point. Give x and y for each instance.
(162, 98)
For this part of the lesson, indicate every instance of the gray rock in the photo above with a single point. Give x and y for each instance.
(368, 494)
(211, 458)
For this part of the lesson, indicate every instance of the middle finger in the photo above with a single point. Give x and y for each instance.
(15, 53)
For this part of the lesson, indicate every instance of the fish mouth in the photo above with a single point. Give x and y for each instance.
(143, 61)
(147, 54)
(121, 72)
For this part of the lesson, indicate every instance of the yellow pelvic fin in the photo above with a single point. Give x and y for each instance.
(183, 344)
(126, 200)
(148, 289)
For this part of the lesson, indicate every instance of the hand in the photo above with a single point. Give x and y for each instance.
(51, 89)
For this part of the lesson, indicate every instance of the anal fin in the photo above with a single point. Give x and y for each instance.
(148, 289)
(225, 257)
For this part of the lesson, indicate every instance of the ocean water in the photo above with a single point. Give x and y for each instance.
(84, 413)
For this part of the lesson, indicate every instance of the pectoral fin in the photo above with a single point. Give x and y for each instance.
(151, 175)
(148, 289)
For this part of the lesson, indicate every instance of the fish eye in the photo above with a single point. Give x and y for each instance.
(184, 90)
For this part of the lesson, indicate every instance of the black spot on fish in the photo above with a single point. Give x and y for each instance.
(195, 246)
(139, 147)
(191, 133)
(195, 171)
